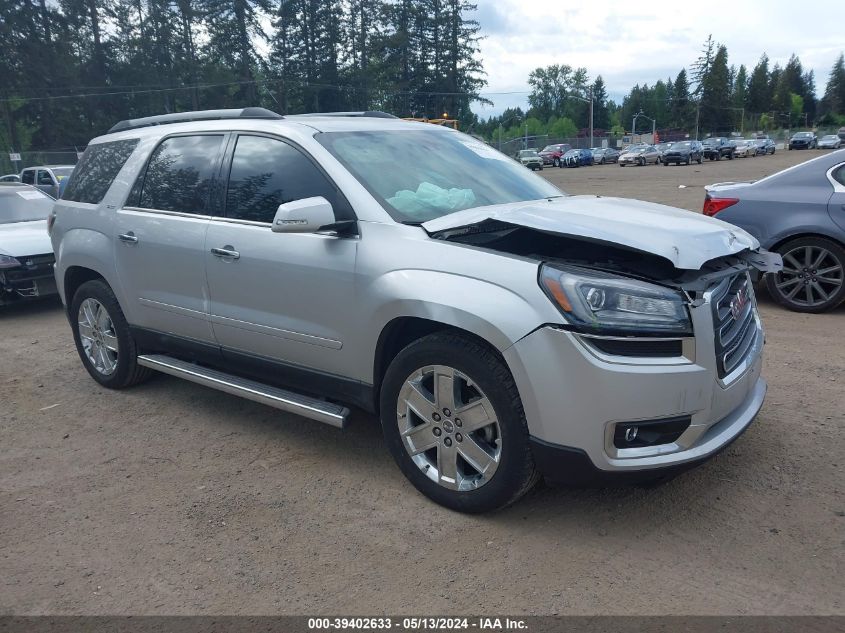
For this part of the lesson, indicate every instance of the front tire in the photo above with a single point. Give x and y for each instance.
(102, 337)
(813, 275)
(453, 421)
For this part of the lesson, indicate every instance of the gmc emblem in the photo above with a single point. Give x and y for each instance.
(739, 302)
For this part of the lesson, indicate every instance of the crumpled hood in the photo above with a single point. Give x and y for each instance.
(686, 239)
(20, 239)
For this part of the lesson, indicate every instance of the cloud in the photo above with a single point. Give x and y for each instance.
(629, 44)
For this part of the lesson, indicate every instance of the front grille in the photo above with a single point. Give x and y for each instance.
(735, 323)
(32, 267)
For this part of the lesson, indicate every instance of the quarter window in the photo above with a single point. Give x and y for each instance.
(266, 173)
(839, 175)
(91, 178)
(179, 174)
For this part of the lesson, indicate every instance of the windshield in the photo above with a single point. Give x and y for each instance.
(419, 175)
(526, 153)
(829, 137)
(682, 145)
(62, 172)
(803, 135)
(23, 204)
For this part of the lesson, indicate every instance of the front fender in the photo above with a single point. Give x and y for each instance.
(492, 312)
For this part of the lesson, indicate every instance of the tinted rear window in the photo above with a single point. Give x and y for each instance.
(179, 174)
(97, 170)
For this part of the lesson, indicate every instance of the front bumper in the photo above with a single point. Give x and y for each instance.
(34, 278)
(575, 395)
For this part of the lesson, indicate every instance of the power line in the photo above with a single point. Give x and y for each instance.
(135, 90)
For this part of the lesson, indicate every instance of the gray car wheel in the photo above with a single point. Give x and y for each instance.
(813, 275)
(453, 421)
(102, 337)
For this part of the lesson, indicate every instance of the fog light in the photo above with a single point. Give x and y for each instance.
(649, 432)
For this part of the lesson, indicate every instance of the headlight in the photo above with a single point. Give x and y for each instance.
(602, 303)
(7, 261)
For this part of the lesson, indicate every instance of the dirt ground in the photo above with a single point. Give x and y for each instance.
(175, 499)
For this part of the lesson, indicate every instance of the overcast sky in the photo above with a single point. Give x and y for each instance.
(629, 43)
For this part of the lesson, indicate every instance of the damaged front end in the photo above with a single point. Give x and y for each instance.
(625, 301)
(24, 278)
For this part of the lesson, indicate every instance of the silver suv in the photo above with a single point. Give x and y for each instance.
(499, 328)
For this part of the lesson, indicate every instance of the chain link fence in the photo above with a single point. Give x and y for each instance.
(36, 158)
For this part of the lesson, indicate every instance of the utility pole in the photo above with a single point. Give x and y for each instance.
(633, 128)
(591, 116)
(697, 113)
(526, 133)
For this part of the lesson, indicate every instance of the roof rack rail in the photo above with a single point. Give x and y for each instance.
(375, 114)
(199, 115)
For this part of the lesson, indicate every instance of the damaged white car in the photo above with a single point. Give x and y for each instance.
(26, 255)
(499, 328)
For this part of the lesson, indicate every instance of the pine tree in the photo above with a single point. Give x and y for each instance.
(601, 114)
(833, 101)
(759, 96)
(701, 66)
(739, 95)
(681, 106)
(715, 93)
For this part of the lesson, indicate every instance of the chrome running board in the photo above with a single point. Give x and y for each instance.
(307, 407)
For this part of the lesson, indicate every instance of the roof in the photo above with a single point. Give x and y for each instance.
(309, 124)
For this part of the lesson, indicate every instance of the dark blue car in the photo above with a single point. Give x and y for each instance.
(577, 158)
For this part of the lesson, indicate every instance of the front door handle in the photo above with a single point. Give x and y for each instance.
(227, 252)
(128, 238)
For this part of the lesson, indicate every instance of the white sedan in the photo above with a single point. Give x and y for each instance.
(26, 254)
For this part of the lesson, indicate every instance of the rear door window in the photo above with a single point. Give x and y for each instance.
(91, 178)
(28, 177)
(179, 174)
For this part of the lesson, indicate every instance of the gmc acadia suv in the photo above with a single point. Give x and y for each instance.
(499, 328)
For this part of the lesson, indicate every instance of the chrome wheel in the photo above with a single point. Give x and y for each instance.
(449, 428)
(811, 276)
(99, 340)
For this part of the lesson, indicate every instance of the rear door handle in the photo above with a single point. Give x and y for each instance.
(227, 252)
(128, 238)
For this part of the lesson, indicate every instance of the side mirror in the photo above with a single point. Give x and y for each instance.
(308, 215)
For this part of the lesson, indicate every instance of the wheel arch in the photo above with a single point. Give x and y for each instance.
(75, 276)
(783, 239)
(402, 331)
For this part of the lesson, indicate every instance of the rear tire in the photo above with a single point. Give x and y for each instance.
(813, 262)
(437, 458)
(103, 339)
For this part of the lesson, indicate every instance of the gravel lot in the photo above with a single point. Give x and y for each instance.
(174, 499)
